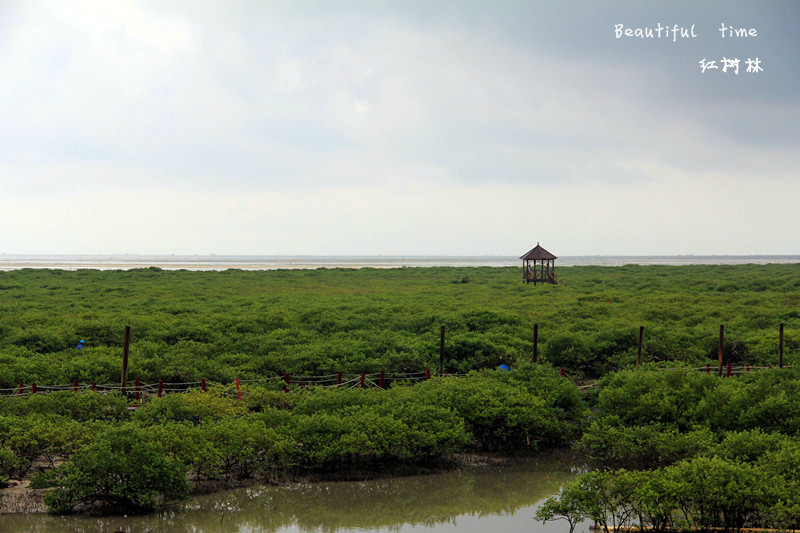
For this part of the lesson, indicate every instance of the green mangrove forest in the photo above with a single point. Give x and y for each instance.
(665, 445)
(189, 325)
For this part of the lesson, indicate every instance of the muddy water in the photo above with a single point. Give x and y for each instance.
(486, 498)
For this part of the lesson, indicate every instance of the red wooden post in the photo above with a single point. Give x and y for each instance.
(361, 382)
(136, 389)
(74, 386)
(561, 372)
(94, 386)
(338, 378)
(446, 373)
(21, 388)
(160, 387)
(427, 373)
(238, 390)
(203, 384)
(747, 367)
(33, 388)
(383, 377)
(708, 368)
(728, 371)
(721, 343)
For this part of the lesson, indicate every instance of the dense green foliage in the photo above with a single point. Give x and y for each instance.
(667, 428)
(220, 325)
(682, 449)
(118, 459)
(123, 468)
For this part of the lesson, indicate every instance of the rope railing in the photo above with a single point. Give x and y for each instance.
(374, 380)
(139, 389)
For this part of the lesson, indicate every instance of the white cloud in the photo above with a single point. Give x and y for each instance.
(678, 213)
(277, 128)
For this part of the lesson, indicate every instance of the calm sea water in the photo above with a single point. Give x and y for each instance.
(267, 262)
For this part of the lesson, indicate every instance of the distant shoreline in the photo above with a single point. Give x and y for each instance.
(252, 262)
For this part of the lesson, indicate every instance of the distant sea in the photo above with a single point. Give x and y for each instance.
(274, 262)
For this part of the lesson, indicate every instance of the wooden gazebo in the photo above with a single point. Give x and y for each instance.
(538, 265)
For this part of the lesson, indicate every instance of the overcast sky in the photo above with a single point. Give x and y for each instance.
(398, 128)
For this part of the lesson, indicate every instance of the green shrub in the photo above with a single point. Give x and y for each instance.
(194, 406)
(9, 463)
(713, 492)
(122, 470)
(245, 446)
(500, 413)
(45, 479)
(84, 405)
(609, 444)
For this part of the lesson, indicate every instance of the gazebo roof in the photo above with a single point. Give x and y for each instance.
(538, 254)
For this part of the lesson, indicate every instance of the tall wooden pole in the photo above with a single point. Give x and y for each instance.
(639, 349)
(535, 342)
(780, 346)
(125, 346)
(441, 351)
(721, 342)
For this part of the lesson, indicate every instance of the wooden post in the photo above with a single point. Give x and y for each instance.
(125, 345)
(238, 390)
(288, 381)
(721, 342)
(383, 378)
(780, 346)
(339, 378)
(361, 382)
(160, 387)
(74, 386)
(21, 388)
(708, 368)
(427, 373)
(728, 371)
(639, 349)
(136, 389)
(203, 384)
(441, 351)
(94, 386)
(33, 388)
(535, 342)
(747, 367)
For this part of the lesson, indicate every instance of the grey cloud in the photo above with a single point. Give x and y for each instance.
(512, 91)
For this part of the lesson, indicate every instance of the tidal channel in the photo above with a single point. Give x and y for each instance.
(498, 497)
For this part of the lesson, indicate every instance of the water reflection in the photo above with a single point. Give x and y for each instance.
(477, 499)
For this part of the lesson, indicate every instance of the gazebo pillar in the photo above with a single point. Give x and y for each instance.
(543, 268)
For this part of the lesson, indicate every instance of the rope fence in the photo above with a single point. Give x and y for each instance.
(140, 390)
(376, 380)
